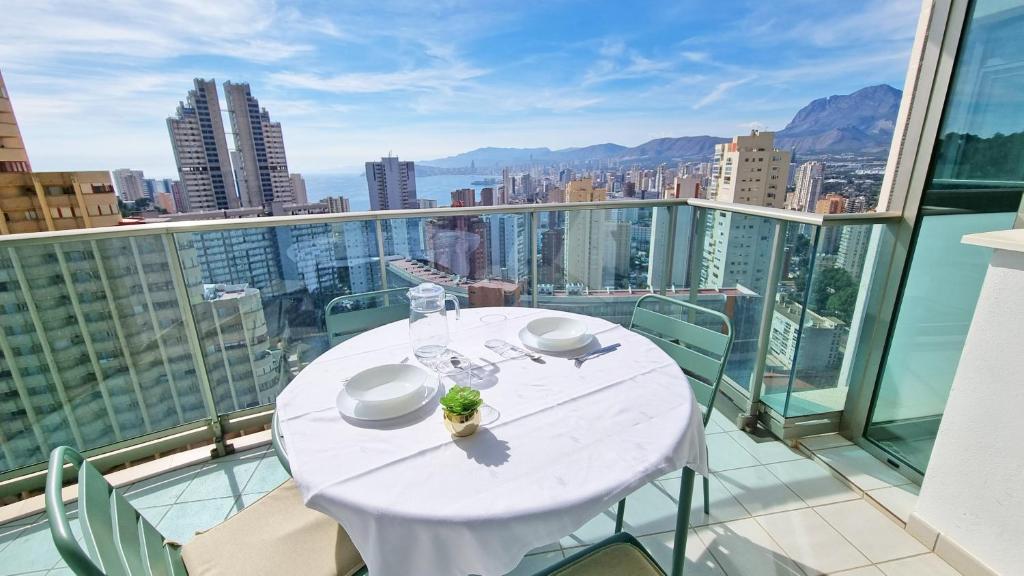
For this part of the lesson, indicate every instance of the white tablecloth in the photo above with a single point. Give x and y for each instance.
(567, 444)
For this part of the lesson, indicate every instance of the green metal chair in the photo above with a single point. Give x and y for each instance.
(275, 535)
(701, 352)
(382, 307)
(622, 555)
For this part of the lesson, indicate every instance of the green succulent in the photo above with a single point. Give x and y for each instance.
(461, 400)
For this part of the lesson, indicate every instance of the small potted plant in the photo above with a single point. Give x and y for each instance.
(461, 410)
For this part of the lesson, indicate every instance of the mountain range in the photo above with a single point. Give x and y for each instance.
(861, 122)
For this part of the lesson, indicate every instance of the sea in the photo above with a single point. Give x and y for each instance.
(353, 187)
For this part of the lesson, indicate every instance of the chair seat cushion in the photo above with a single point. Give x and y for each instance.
(276, 535)
(615, 559)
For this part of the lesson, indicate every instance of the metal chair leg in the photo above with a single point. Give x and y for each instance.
(620, 515)
(707, 497)
(682, 522)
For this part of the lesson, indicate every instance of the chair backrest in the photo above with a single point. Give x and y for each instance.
(118, 540)
(351, 315)
(701, 351)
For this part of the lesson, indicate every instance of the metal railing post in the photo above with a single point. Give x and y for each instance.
(765, 331)
(670, 248)
(534, 245)
(697, 240)
(379, 233)
(221, 448)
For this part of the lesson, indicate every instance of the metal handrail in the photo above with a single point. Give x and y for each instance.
(380, 215)
(215, 423)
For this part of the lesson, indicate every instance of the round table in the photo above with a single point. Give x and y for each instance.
(563, 445)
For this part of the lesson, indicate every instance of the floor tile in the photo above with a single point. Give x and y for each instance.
(10, 532)
(725, 454)
(162, 490)
(650, 510)
(269, 474)
(184, 519)
(743, 548)
(221, 479)
(862, 469)
(865, 571)
(925, 565)
(714, 427)
(878, 537)
(898, 500)
(724, 507)
(595, 530)
(810, 542)
(759, 491)
(815, 443)
(32, 550)
(767, 450)
(154, 514)
(722, 421)
(536, 562)
(812, 482)
(553, 547)
(699, 561)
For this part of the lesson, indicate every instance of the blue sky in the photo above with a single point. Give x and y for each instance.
(92, 82)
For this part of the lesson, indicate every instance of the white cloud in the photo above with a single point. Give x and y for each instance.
(422, 79)
(48, 31)
(720, 90)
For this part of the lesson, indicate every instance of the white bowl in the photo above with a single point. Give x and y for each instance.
(387, 384)
(555, 333)
(351, 408)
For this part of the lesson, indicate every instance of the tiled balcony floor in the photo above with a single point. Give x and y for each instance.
(773, 512)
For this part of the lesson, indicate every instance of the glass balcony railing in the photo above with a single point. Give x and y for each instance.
(171, 333)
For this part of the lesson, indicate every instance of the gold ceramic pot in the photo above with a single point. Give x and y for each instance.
(461, 424)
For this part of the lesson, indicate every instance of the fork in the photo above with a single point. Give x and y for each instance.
(579, 360)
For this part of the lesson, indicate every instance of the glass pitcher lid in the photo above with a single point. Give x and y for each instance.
(426, 291)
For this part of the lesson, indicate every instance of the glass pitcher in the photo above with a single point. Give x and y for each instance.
(428, 322)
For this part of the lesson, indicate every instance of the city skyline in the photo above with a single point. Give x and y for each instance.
(450, 87)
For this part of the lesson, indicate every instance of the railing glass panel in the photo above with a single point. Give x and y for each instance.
(735, 255)
(94, 346)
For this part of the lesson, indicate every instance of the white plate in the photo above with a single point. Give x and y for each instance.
(532, 342)
(385, 384)
(357, 411)
(557, 333)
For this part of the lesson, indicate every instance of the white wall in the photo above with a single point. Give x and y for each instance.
(973, 492)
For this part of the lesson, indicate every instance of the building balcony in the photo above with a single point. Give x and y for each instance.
(325, 278)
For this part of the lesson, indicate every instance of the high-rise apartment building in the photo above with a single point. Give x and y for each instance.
(748, 170)
(582, 190)
(392, 184)
(685, 186)
(201, 151)
(809, 179)
(42, 201)
(129, 184)
(830, 204)
(165, 202)
(508, 187)
(487, 196)
(96, 349)
(853, 249)
(263, 165)
(299, 188)
(464, 197)
(337, 204)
